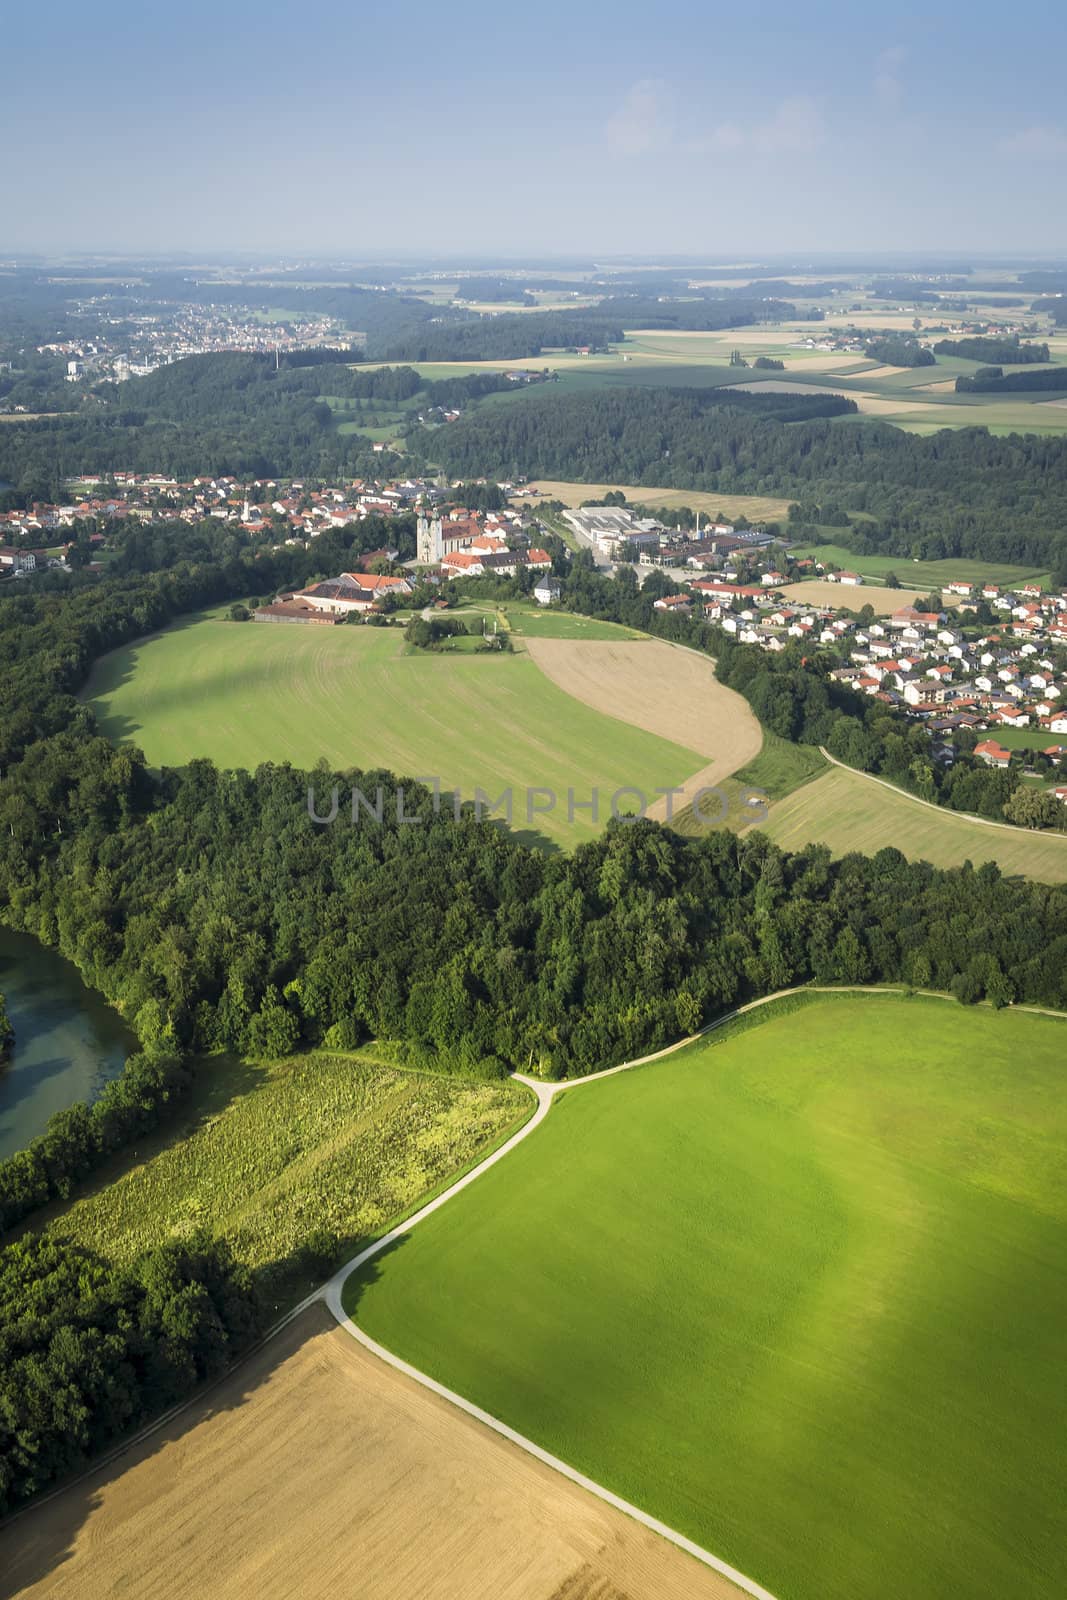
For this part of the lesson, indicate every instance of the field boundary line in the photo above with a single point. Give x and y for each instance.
(944, 811)
(547, 1092)
(333, 1300)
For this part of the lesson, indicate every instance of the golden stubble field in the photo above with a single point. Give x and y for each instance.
(663, 688)
(316, 1469)
(756, 507)
(883, 601)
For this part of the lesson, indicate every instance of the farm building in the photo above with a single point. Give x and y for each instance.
(294, 611)
(351, 591)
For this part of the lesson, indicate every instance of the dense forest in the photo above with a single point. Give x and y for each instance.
(1002, 351)
(961, 493)
(224, 415)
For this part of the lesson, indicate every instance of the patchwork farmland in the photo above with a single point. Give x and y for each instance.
(313, 1461)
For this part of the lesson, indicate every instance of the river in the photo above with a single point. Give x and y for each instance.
(68, 1041)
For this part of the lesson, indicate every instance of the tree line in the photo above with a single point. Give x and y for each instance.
(994, 380)
(223, 415)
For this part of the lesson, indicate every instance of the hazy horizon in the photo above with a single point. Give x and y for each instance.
(261, 130)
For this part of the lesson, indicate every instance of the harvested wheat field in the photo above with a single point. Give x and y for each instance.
(757, 507)
(853, 597)
(662, 688)
(317, 1469)
(659, 686)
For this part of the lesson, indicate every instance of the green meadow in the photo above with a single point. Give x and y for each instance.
(847, 811)
(799, 1291)
(245, 693)
(268, 1155)
(915, 574)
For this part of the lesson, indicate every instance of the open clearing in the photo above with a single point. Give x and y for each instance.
(818, 592)
(245, 693)
(627, 680)
(847, 811)
(316, 1469)
(797, 1290)
(757, 508)
(264, 1154)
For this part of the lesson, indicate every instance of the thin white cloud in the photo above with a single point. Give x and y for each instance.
(796, 127)
(888, 88)
(1042, 142)
(642, 122)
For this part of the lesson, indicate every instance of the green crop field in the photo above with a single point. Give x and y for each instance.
(919, 574)
(847, 811)
(799, 1291)
(267, 1154)
(244, 693)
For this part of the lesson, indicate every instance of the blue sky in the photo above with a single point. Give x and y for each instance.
(542, 129)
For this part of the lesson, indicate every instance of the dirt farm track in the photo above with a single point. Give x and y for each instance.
(317, 1470)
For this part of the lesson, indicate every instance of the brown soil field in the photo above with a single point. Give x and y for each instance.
(664, 689)
(758, 508)
(316, 1469)
(817, 592)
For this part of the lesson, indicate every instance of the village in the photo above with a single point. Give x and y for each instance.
(989, 661)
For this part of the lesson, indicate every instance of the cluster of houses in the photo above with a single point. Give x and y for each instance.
(294, 509)
(1007, 676)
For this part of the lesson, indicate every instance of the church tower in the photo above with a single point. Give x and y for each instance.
(429, 547)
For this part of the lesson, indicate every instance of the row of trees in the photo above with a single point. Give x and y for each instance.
(82, 1137)
(993, 380)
